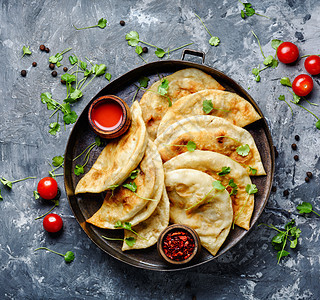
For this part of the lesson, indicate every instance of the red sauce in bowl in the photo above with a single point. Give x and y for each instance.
(107, 115)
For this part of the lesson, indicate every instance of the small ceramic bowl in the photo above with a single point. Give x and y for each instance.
(109, 116)
(168, 234)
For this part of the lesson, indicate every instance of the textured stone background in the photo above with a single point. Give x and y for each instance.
(249, 270)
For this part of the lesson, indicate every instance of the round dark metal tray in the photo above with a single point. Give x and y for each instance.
(84, 206)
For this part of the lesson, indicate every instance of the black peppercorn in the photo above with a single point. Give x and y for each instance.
(286, 193)
(42, 47)
(297, 138)
(274, 189)
(51, 66)
(122, 23)
(63, 81)
(309, 174)
(145, 50)
(47, 50)
(34, 64)
(307, 179)
(54, 73)
(294, 146)
(23, 73)
(296, 157)
(65, 69)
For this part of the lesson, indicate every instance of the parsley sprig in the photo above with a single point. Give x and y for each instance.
(26, 51)
(290, 233)
(127, 226)
(207, 107)
(130, 241)
(143, 83)
(57, 58)
(214, 40)
(9, 183)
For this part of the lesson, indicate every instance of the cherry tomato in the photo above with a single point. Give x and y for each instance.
(52, 223)
(312, 64)
(47, 188)
(302, 85)
(287, 52)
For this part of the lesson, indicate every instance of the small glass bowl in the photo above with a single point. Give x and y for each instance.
(121, 128)
(178, 228)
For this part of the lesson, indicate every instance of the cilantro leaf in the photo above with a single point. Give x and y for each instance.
(70, 118)
(285, 81)
(108, 76)
(68, 78)
(224, 171)
(191, 146)
(73, 59)
(6, 182)
(134, 174)
(46, 98)
(126, 225)
(102, 23)
(251, 189)
(268, 60)
(207, 106)
(296, 98)
(26, 51)
(36, 195)
(54, 128)
(160, 52)
(318, 124)
(214, 41)
(78, 170)
(100, 69)
(97, 141)
(281, 98)
(83, 65)
(57, 161)
(69, 257)
(133, 38)
(282, 253)
(276, 43)
(253, 171)
(218, 185)
(118, 224)
(249, 10)
(130, 186)
(143, 81)
(255, 71)
(234, 186)
(274, 63)
(130, 241)
(163, 87)
(305, 208)
(139, 49)
(243, 150)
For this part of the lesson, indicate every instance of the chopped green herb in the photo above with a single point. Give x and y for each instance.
(234, 187)
(191, 146)
(253, 171)
(218, 185)
(207, 106)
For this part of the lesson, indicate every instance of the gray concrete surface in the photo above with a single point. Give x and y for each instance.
(249, 270)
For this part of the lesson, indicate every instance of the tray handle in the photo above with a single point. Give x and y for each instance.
(193, 52)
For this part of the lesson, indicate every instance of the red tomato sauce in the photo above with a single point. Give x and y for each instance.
(107, 115)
